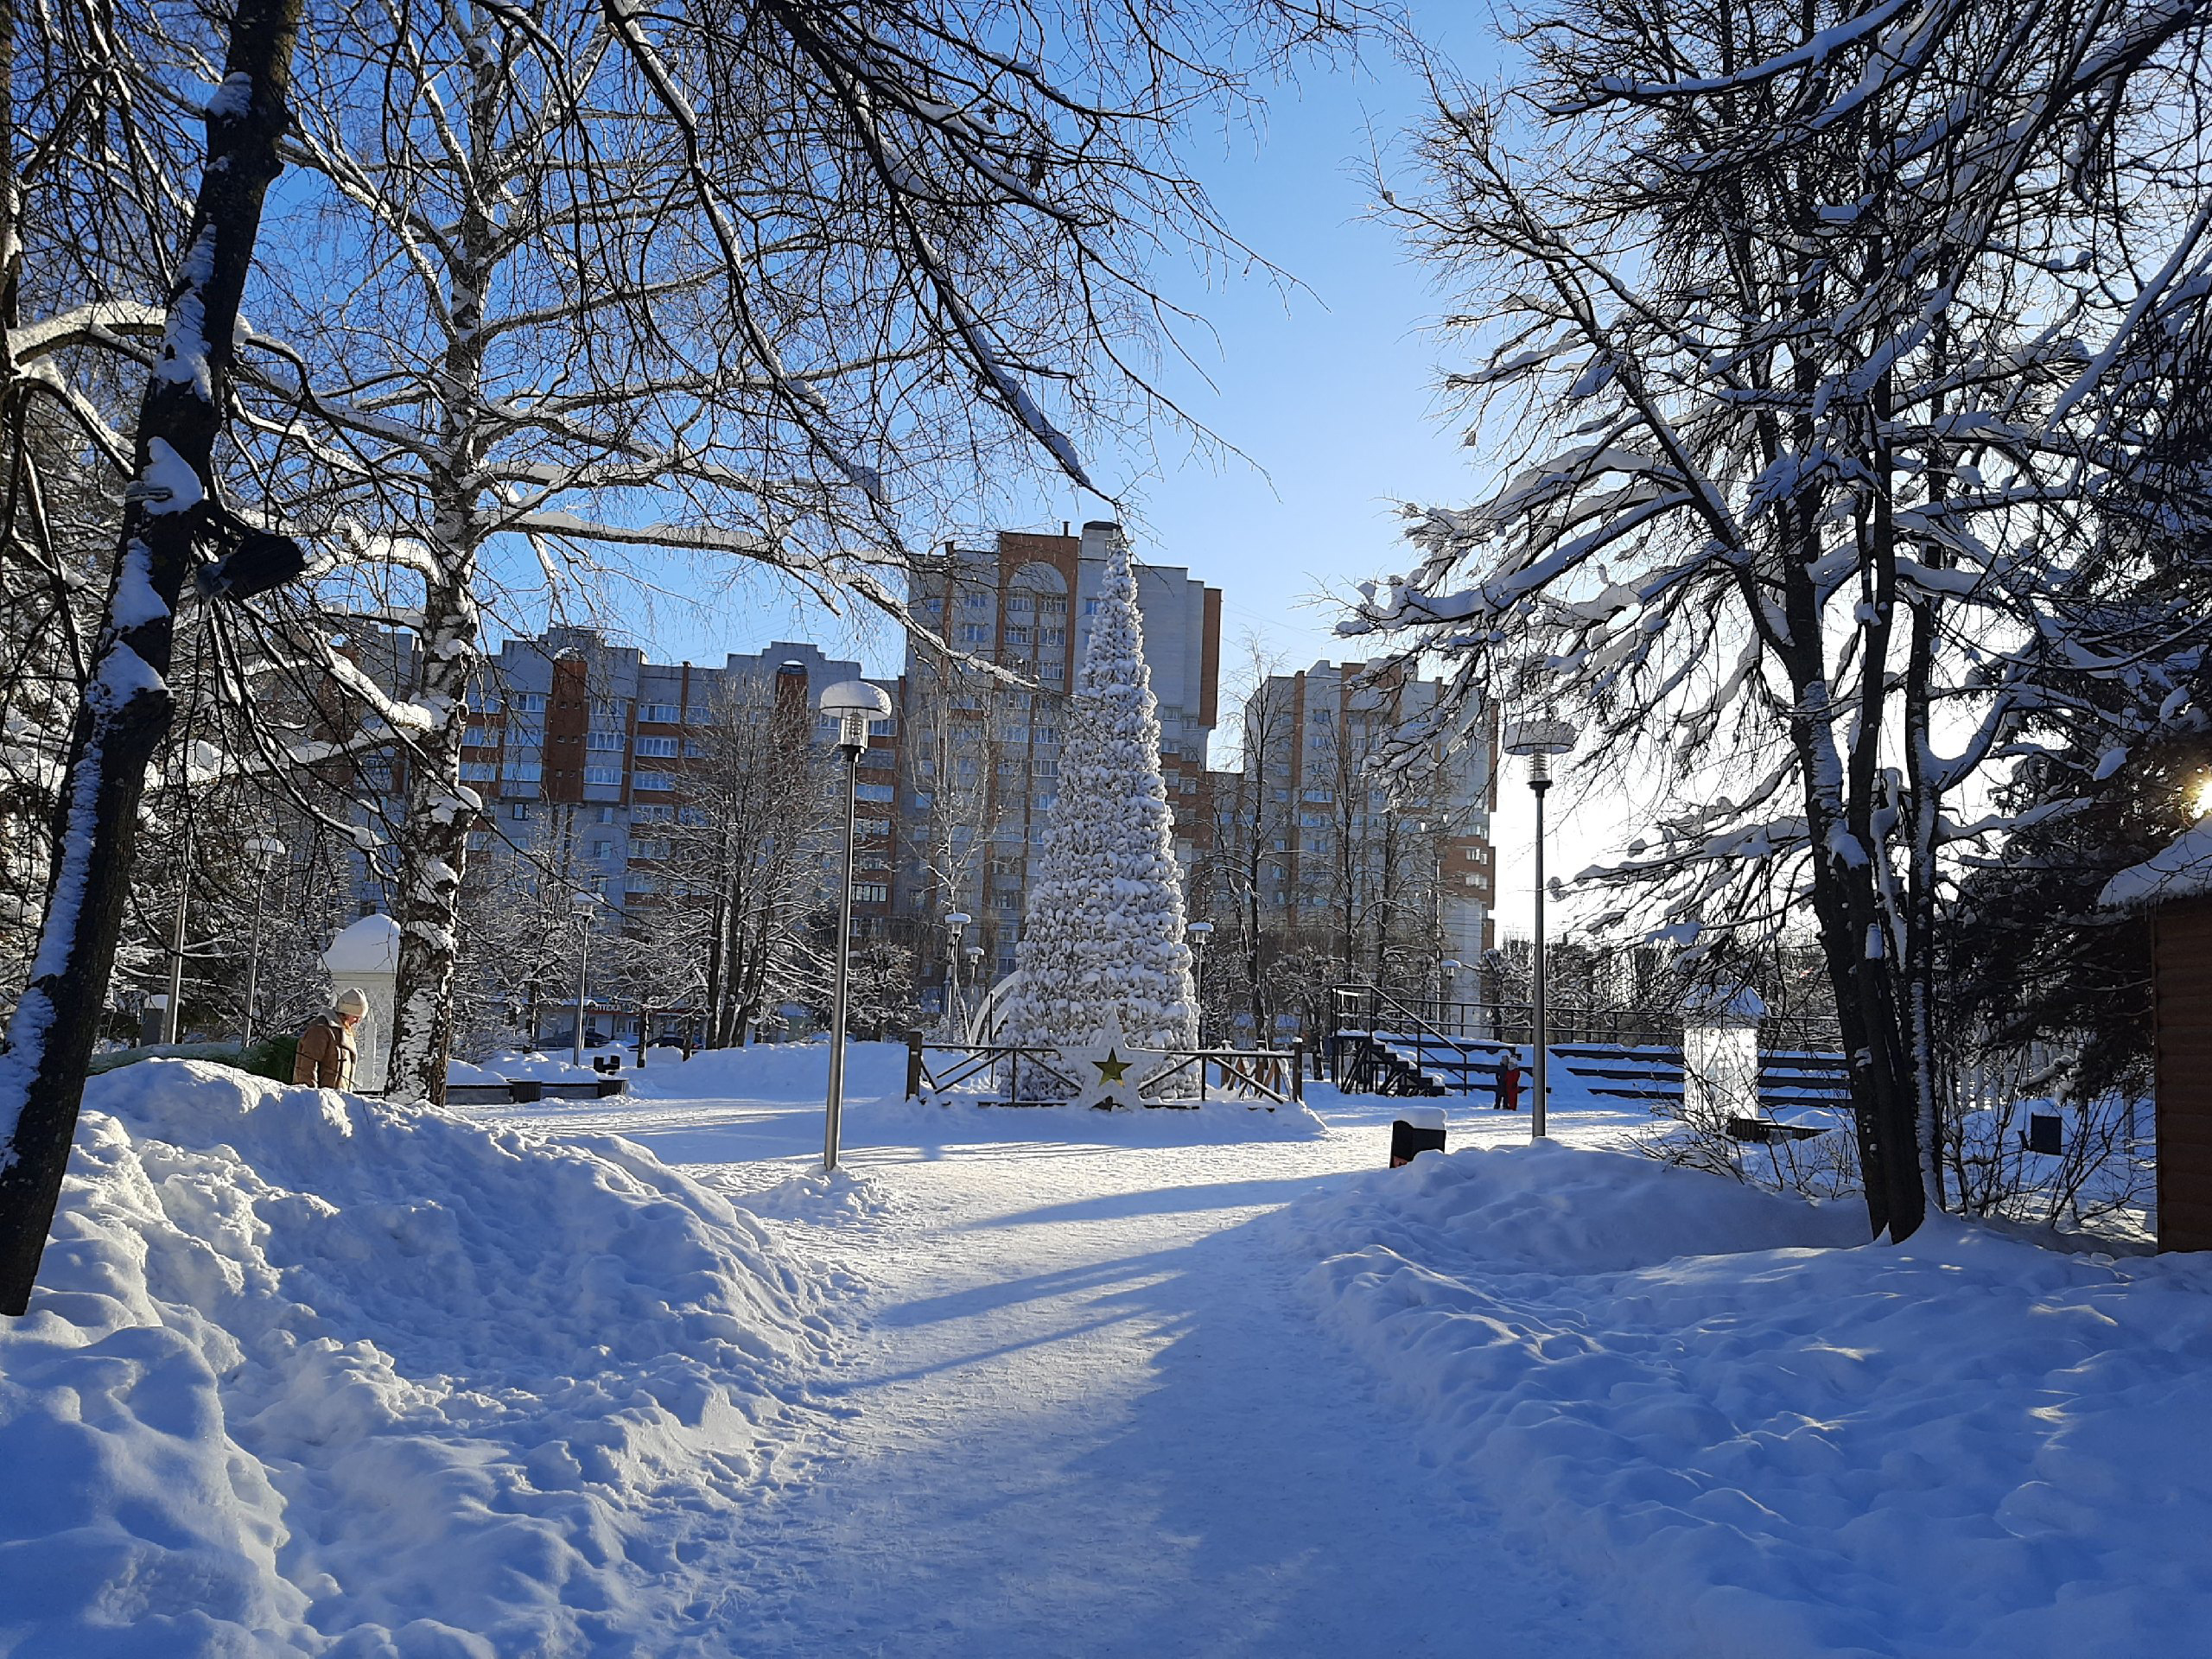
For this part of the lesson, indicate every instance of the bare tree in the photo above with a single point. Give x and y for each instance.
(168, 511)
(751, 825)
(1809, 321)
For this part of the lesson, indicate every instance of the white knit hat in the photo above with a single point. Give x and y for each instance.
(353, 1001)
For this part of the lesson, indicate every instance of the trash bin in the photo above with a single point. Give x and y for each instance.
(1418, 1129)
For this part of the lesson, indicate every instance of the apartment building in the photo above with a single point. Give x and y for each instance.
(1362, 860)
(981, 753)
(571, 735)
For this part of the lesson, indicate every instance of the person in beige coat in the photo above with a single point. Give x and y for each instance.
(328, 1050)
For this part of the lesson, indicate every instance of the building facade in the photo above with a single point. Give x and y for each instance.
(572, 735)
(1358, 824)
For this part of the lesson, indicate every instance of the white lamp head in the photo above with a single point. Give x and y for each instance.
(852, 704)
(265, 847)
(1538, 741)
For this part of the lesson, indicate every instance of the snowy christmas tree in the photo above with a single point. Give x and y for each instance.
(1105, 930)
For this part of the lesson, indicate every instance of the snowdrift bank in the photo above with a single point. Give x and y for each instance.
(1769, 1446)
(309, 1373)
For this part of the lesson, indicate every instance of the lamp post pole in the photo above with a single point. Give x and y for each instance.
(854, 703)
(1540, 784)
(956, 1015)
(582, 904)
(173, 1004)
(1538, 741)
(262, 850)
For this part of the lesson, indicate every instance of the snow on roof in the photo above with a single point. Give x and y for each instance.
(368, 946)
(2183, 870)
(1741, 1006)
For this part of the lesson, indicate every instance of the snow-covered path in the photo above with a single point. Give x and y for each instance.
(1086, 1412)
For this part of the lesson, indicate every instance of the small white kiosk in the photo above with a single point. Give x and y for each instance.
(366, 954)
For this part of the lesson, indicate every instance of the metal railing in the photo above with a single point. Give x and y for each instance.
(1265, 1077)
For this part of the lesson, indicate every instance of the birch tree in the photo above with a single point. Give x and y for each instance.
(124, 713)
(1814, 315)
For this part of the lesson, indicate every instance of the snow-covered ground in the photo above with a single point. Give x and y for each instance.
(316, 1375)
(309, 1374)
(1768, 1445)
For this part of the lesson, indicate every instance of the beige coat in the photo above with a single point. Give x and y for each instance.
(327, 1053)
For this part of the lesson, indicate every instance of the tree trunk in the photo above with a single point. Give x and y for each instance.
(127, 708)
(434, 839)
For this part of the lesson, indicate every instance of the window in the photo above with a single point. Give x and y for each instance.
(1055, 671)
(610, 708)
(479, 771)
(975, 634)
(871, 826)
(662, 747)
(1015, 636)
(661, 713)
(1044, 768)
(645, 781)
(662, 813)
(699, 715)
(883, 792)
(1089, 607)
(877, 758)
(602, 774)
(518, 812)
(1324, 795)
(1314, 820)
(687, 815)
(864, 893)
(1051, 605)
(532, 702)
(523, 772)
(975, 602)
(692, 751)
(1054, 637)
(602, 850)
(1046, 733)
(1022, 603)
(641, 881)
(605, 742)
(1322, 716)
(649, 849)
(1005, 898)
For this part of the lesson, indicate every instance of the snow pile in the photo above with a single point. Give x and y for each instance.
(309, 1373)
(1769, 1446)
(536, 1066)
(787, 1071)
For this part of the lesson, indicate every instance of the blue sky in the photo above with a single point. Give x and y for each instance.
(1328, 389)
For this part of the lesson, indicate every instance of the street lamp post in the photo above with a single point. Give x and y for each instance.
(261, 849)
(584, 905)
(173, 1004)
(956, 923)
(1537, 740)
(1201, 936)
(853, 703)
(1444, 972)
